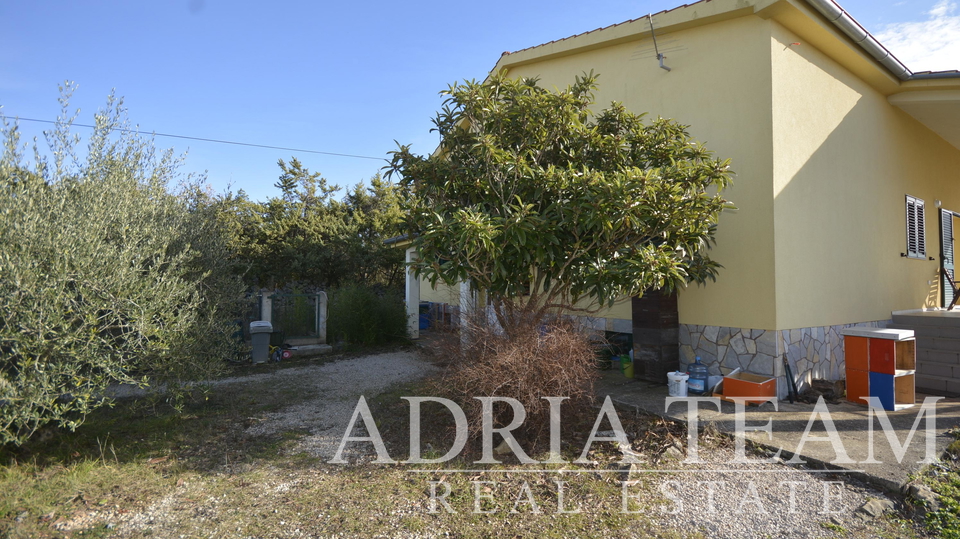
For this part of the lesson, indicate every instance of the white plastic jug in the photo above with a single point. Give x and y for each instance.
(677, 383)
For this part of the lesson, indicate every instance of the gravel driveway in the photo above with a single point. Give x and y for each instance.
(336, 388)
(728, 500)
(716, 500)
(720, 499)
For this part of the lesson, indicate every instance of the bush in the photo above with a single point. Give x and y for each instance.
(105, 275)
(358, 314)
(555, 359)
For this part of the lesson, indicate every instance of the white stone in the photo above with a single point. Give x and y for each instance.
(711, 333)
(795, 335)
(778, 367)
(622, 325)
(767, 343)
(731, 360)
(762, 364)
(737, 344)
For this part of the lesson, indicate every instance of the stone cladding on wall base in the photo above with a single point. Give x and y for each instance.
(814, 353)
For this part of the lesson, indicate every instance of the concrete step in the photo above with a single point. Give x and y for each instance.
(938, 349)
(928, 318)
(949, 357)
(938, 343)
(931, 331)
(311, 350)
(936, 385)
(943, 370)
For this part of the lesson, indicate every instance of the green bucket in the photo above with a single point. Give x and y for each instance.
(626, 366)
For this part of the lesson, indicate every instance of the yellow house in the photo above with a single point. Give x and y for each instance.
(847, 176)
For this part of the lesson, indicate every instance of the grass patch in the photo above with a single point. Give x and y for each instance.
(836, 528)
(142, 469)
(944, 479)
(138, 470)
(126, 456)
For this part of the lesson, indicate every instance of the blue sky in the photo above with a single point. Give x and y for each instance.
(342, 77)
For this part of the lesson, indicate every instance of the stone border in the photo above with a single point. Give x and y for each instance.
(815, 352)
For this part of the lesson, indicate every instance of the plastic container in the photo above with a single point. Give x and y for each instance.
(260, 339)
(626, 366)
(697, 384)
(677, 383)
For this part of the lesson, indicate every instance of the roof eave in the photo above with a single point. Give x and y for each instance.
(672, 20)
(710, 11)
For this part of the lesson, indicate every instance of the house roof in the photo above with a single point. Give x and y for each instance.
(932, 97)
(602, 28)
(834, 13)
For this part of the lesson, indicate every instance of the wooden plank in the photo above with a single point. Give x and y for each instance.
(906, 355)
(904, 390)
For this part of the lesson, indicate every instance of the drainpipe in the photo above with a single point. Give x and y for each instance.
(842, 20)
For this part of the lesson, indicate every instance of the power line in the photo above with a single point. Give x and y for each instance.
(216, 140)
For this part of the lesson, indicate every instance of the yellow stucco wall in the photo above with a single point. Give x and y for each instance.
(823, 161)
(844, 159)
(720, 86)
(441, 294)
(451, 295)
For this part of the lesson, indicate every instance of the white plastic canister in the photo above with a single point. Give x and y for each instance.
(677, 383)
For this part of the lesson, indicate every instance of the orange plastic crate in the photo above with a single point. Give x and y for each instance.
(858, 385)
(882, 356)
(744, 384)
(855, 352)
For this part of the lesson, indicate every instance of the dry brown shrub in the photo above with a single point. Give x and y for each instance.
(556, 359)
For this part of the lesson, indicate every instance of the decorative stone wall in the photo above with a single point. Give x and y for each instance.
(723, 349)
(815, 352)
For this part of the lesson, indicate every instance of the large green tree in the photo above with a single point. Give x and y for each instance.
(374, 214)
(308, 237)
(111, 270)
(541, 203)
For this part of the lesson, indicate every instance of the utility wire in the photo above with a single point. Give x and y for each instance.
(215, 140)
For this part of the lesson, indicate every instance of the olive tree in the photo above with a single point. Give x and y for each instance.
(543, 204)
(111, 271)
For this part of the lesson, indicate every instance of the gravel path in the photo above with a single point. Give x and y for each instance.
(720, 499)
(336, 388)
(727, 500)
(714, 499)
